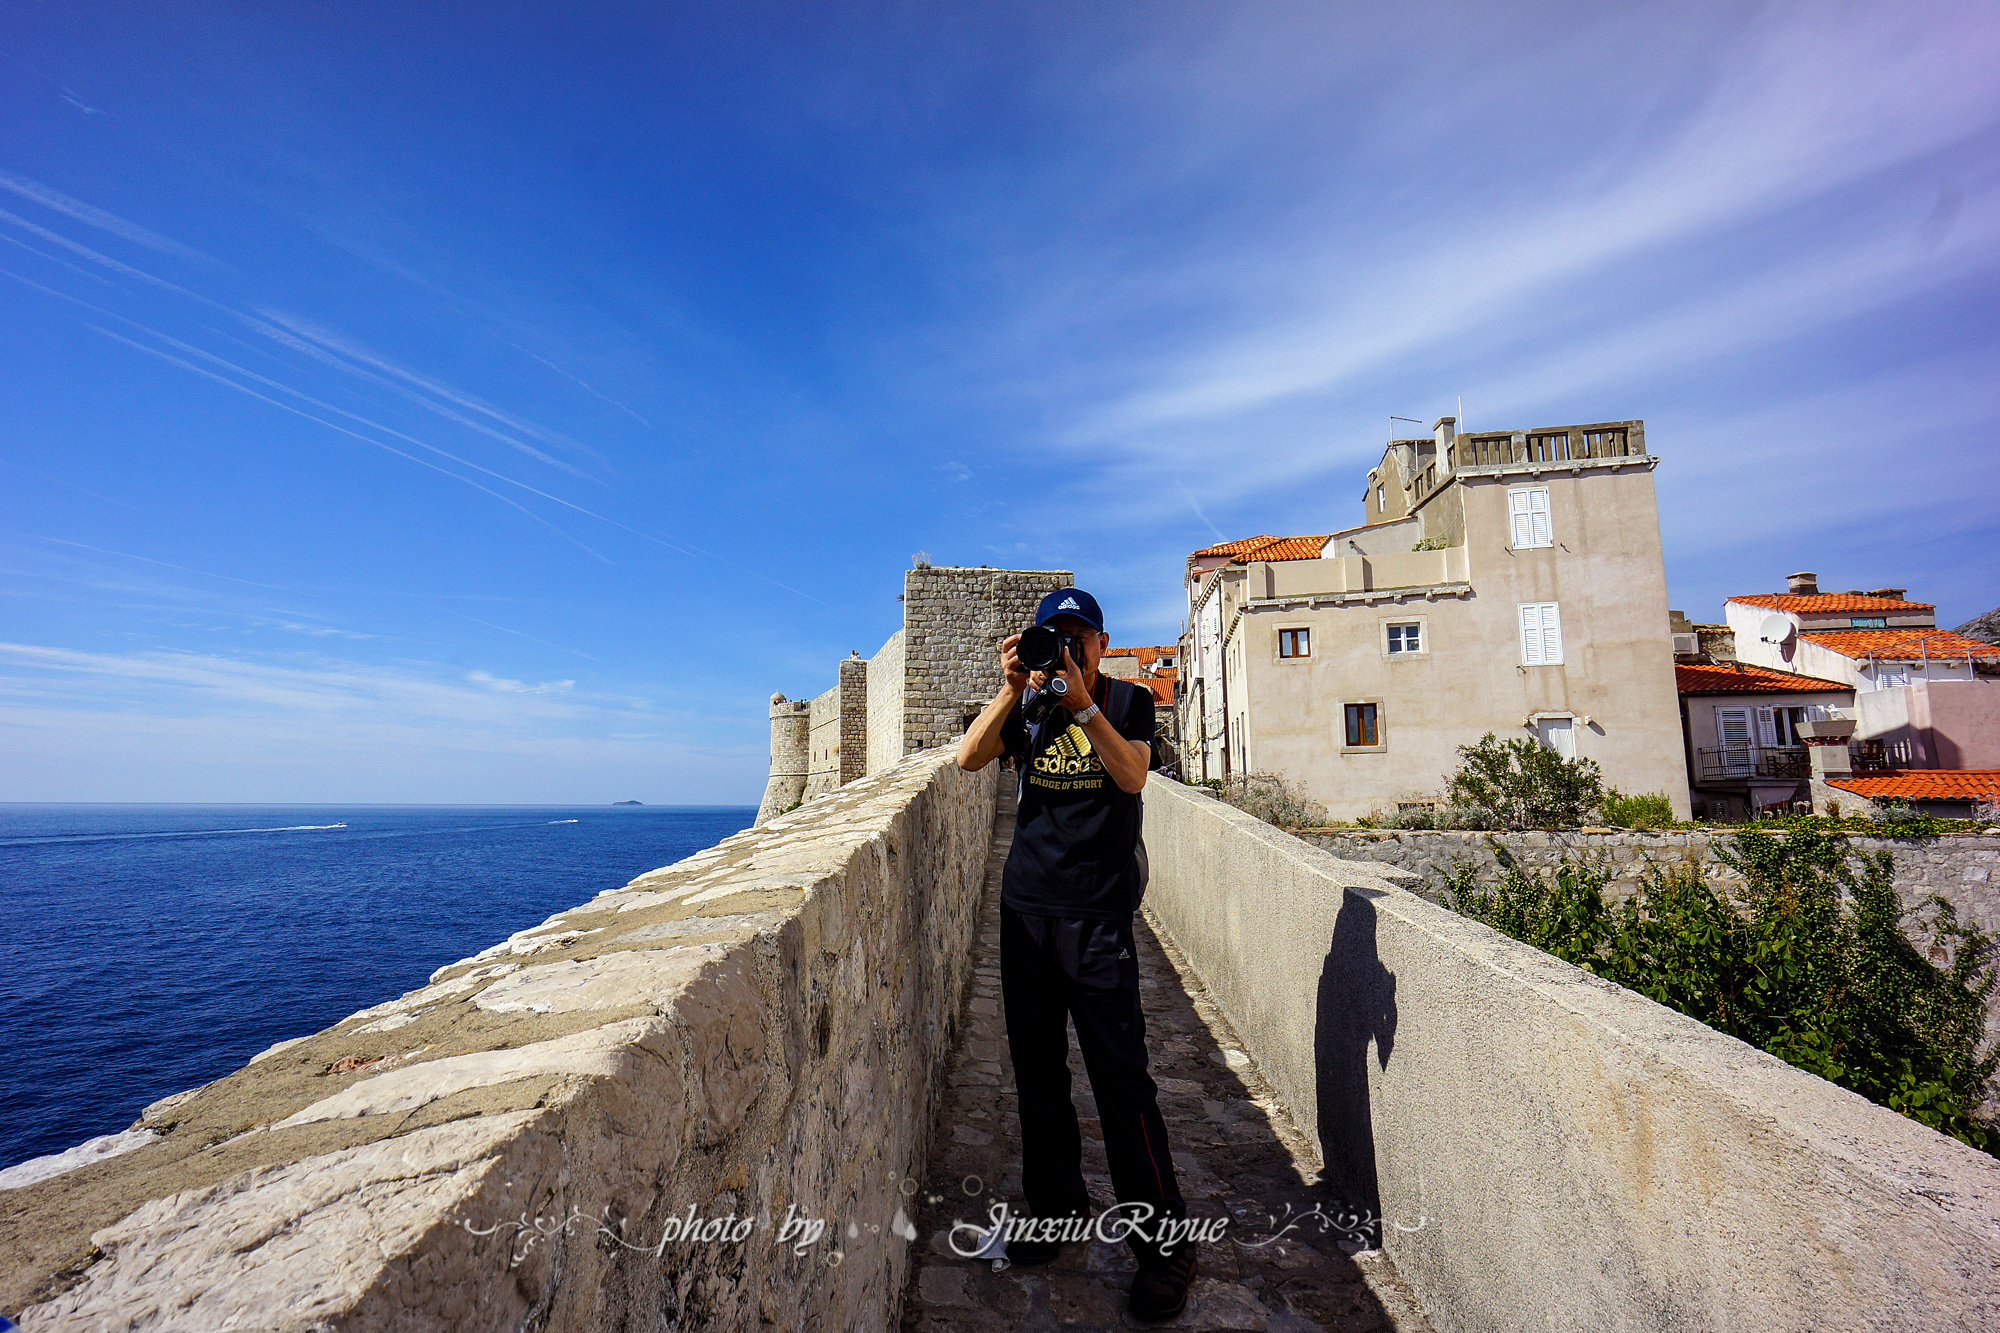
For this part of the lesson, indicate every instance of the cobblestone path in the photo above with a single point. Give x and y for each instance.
(1235, 1149)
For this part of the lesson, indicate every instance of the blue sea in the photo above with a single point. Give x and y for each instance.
(145, 949)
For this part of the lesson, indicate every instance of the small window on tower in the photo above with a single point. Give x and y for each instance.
(1406, 639)
(1295, 643)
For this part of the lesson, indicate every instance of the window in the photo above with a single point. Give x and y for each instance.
(1558, 733)
(1869, 622)
(1362, 727)
(1295, 643)
(1892, 675)
(1406, 639)
(1541, 634)
(1528, 507)
(1381, 499)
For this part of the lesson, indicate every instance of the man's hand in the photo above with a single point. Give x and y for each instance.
(1011, 669)
(1078, 697)
(981, 744)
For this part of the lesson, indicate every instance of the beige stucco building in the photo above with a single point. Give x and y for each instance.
(1504, 582)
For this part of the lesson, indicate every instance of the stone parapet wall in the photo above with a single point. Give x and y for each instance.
(1549, 1150)
(752, 1033)
(1964, 869)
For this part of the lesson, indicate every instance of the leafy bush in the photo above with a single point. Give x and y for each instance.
(1648, 810)
(1432, 544)
(1272, 799)
(1526, 784)
(1813, 966)
(1914, 828)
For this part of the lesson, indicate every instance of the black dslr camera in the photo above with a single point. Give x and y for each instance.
(1042, 649)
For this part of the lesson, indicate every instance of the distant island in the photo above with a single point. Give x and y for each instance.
(628, 803)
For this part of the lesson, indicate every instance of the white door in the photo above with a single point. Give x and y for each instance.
(1557, 734)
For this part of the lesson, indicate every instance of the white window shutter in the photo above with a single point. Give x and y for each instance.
(1732, 726)
(1540, 532)
(1531, 634)
(1524, 525)
(1767, 727)
(1552, 634)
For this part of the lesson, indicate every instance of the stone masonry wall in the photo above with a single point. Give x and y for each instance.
(752, 1034)
(885, 705)
(823, 771)
(953, 622)
(853, 719)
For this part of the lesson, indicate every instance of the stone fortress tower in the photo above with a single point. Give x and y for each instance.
(787, 786)
(921, 689)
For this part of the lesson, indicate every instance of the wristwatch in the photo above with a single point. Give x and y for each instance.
(1083, 719)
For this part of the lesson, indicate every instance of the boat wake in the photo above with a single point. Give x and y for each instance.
(170, 833)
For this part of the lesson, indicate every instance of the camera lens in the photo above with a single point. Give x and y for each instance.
(1040, 649)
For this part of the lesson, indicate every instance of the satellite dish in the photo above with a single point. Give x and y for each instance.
(1777, 629)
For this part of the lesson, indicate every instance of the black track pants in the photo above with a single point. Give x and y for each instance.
(1053, 969)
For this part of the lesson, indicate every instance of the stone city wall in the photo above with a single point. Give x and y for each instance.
(754, 1033)
(1549, 1150)
(1964, 869)
(885, 705)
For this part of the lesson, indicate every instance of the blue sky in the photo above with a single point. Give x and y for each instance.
(496, 403)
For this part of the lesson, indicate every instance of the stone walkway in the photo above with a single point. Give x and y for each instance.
(1235, 1149)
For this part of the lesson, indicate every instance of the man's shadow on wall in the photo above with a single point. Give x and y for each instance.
(1356, 1007)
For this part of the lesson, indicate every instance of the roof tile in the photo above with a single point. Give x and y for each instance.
(1829, 603)
(1901, 644)
(1267, 547)
(1925, 784)
(1740, 678)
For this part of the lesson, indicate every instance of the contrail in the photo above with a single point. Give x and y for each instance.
(96, 217)
(286, 407)
(581, 385)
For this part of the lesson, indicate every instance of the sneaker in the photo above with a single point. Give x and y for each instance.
(1160, 1288)
(1038, 1251)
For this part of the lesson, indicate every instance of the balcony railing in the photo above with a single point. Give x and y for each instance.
(1559, 446)
(1754, 761)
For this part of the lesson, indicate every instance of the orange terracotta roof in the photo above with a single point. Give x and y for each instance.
(1830, 603)
(1901, 644)
(1146, 656)
(1267, 547)
(1162, 688)
(1925, 784)
(1739, 678)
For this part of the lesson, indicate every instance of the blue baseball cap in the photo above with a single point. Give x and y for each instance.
(1070, 602)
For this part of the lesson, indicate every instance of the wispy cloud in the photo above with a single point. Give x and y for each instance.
(354, 351)
(58, 202)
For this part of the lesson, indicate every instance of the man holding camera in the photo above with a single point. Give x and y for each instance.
(1083, 742)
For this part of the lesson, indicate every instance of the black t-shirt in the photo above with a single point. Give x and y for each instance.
(1076, 834)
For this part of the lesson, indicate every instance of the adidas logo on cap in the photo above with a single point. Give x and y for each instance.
(1068, 604)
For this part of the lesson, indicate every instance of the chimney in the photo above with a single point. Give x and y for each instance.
(1803, 585)
(1893, 594)
(1446, 430)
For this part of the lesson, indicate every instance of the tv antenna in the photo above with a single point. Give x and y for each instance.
(1393, 420)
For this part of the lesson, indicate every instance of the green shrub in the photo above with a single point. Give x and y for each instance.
(1814, 965)
(1273, 799)
(1526, 784)
(1648, 810)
